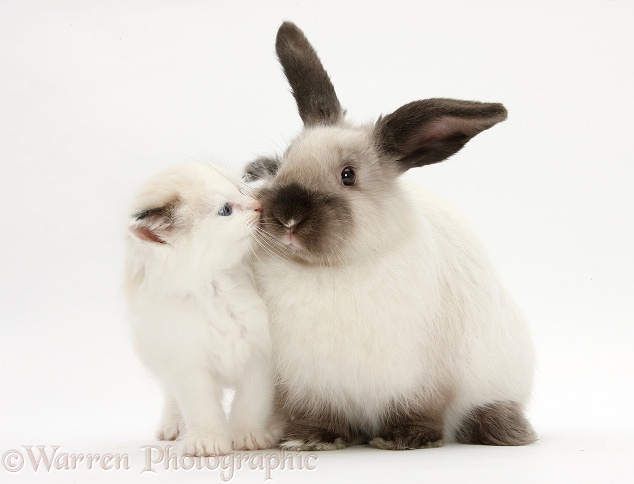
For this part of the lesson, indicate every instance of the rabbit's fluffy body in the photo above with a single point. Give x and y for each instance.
(389, 325)
(415, 315)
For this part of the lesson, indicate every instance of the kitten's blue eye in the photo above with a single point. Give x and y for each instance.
(225, 210)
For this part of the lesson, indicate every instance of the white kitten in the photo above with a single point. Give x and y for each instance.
(198, 323)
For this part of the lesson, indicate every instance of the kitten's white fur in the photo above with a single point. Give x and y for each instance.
(197, 321)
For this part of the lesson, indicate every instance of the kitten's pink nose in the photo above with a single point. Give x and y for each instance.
(257, 206)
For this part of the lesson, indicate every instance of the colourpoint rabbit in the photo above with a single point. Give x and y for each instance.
(389, 324)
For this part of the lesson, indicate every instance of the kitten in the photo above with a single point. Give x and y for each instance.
(198, 323)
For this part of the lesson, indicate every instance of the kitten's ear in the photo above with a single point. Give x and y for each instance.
(428, 131)
(154, 224)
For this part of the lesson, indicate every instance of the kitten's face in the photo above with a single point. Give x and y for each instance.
(196, 213)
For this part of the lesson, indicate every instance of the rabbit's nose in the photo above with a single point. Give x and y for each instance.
(291, 223)
(291, 205)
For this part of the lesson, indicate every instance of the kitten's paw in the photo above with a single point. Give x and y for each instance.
(299, 445)
(205, 444)
(253, 440)
(170, 430)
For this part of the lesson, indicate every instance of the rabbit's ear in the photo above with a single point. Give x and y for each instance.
(154, 224)
(425, 132)
(314, 93)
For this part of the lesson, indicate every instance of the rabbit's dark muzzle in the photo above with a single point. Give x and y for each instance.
(311, 216)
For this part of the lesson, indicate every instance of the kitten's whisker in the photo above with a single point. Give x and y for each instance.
(239, 184)
(274, 241)
(253, 251)
(270, 250)
(271, 243)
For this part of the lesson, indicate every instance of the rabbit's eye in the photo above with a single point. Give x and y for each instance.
(348, 176)
(225, 210)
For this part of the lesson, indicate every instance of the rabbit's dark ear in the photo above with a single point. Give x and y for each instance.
(425, 132)
(155, 224)
(314, 93)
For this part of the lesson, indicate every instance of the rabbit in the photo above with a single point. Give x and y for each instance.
(389, 324)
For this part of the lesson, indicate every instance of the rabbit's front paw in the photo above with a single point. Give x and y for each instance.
(298, 445)
(407, 437)
(310, 435)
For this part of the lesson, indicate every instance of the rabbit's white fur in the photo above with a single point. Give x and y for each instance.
(389, 325)
(417, 311)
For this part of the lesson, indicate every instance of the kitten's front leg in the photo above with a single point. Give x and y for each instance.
(206, 428)
(172, 424)
(251, 410)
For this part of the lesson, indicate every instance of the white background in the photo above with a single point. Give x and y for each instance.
(96, 96)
